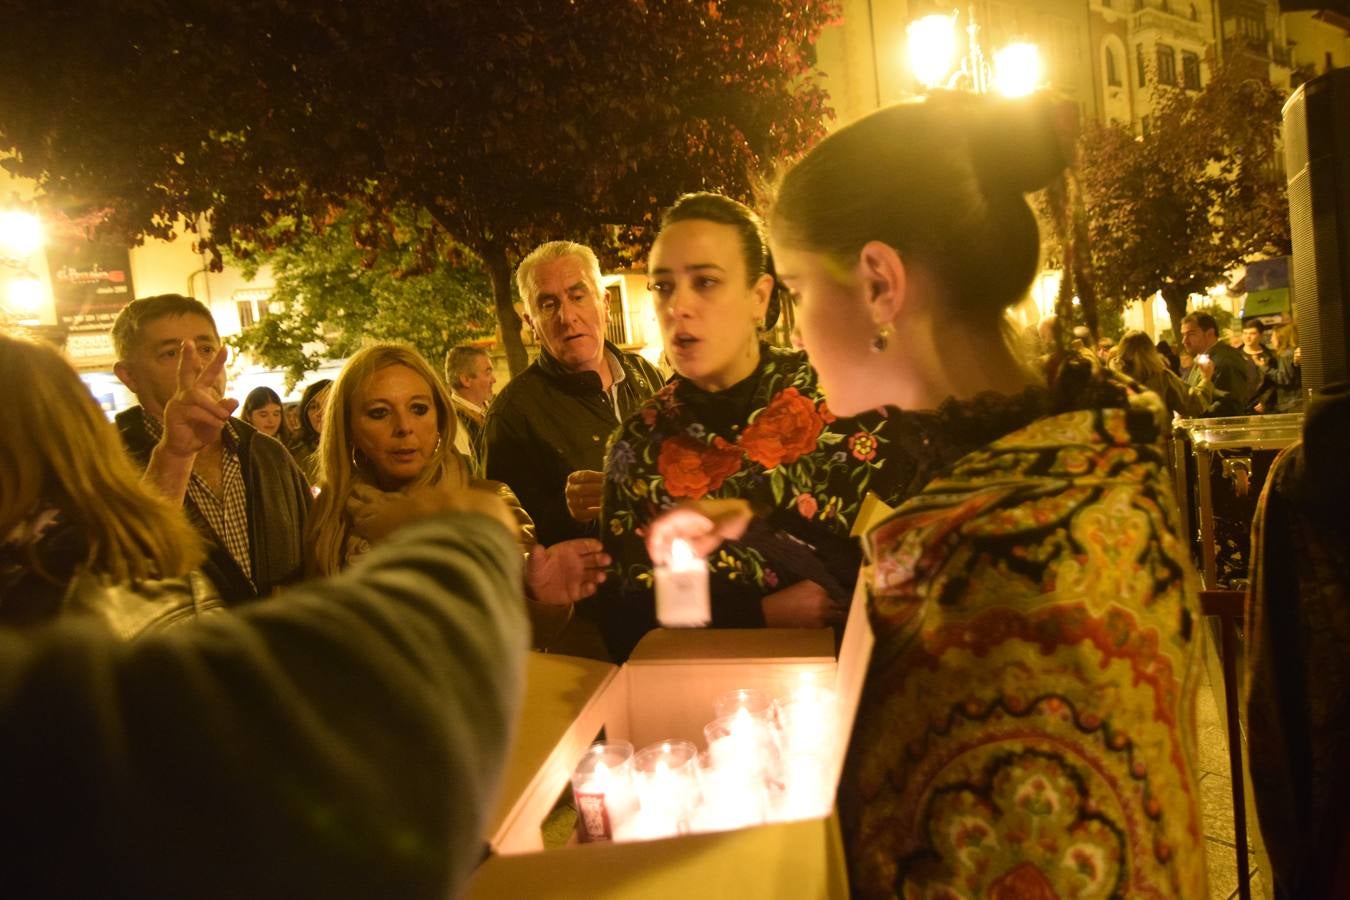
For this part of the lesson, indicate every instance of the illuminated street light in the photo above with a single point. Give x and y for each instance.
(25, 296)
(932, 48)
(1017, 70)
(938, 59)
(20, 234)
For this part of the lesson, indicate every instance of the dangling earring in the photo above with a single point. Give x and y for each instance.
(881, 339)
(355, 463)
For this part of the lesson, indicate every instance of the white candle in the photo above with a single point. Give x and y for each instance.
(682, 589)
(667, 789)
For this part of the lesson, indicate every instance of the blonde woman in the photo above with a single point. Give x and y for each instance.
(1138, 357)
(78, 533)
(1286, 374)
(387, 452)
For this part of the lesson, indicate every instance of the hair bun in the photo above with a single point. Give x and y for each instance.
(1020, 145)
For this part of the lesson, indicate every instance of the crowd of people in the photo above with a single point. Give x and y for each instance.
(1034, 612)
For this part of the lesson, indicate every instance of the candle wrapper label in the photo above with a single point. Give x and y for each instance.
(682, 597)
(593, 817)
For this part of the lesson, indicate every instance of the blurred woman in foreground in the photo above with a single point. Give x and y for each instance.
(1027, 725)
(388, 441)
(78, 534)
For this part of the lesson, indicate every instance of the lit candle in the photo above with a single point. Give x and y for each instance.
(666, 787)
(682, 589)
(602, 790)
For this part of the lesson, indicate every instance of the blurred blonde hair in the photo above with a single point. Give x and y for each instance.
(1139, 358)
(338, 473)
(58, 448)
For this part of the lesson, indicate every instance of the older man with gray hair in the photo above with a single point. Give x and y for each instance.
(546, 432)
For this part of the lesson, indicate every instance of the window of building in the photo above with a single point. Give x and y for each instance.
(1112, 74)
(1139, 63)
(1167, 65)
(1190, 70)
(253, 305)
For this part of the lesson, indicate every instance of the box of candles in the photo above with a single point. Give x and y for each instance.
(708, 761)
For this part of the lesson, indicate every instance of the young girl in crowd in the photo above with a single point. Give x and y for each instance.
(262, 409)
(1026, 728)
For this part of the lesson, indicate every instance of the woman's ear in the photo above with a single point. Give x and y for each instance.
(884, 279)
(763, 290)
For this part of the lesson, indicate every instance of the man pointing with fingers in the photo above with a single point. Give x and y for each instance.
(240, 488)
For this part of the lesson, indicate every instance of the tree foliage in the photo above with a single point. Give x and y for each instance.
(341, 285)
(508, 123)
(1197, 195)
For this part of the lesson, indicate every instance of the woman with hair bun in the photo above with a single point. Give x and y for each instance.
(739, 419)
(1027, 724)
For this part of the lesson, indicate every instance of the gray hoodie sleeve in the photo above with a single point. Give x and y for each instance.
(344, 740)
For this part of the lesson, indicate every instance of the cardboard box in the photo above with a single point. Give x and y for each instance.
(666, 690)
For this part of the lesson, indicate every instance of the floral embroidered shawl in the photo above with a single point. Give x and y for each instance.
(770, 440)
(1027, 728)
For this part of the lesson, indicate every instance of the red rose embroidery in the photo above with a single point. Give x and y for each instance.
(649, 415)
(807, 505)
(864, 446)
(785, 431)
(825, 415)
(694, 469)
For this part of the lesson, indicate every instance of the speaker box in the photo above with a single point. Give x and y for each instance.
(1317, 160)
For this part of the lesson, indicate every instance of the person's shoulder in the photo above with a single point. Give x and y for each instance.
(520, 390)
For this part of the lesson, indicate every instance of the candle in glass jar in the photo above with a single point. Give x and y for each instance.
(682, 588)
(666, 778)
(602, 790)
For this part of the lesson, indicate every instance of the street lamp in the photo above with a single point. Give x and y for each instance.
(20, 235)
(937, 60)
(20, 238)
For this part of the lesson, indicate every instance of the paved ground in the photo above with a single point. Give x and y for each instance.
(1216, 795)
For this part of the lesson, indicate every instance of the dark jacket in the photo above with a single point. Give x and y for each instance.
(1230, 389)
(49, 577)
(547, 423)
(345, 740)
(278, 501)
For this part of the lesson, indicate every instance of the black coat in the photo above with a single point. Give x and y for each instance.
(548, 423)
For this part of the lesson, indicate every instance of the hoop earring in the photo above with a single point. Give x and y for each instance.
(356, 464)
(882, 339)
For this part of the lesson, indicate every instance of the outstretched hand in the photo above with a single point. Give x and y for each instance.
(196, 413)
(566, 572)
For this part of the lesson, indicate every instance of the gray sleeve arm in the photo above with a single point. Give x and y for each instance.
(344, 740)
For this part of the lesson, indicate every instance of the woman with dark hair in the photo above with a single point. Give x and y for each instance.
(740, 419)
(262, 409)
(305, 448)
(1027, 724)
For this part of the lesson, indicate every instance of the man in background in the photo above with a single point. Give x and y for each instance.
(1219, 376)
(547, 431)
(468, 372)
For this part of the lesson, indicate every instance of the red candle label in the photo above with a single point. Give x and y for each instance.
(593, 816)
